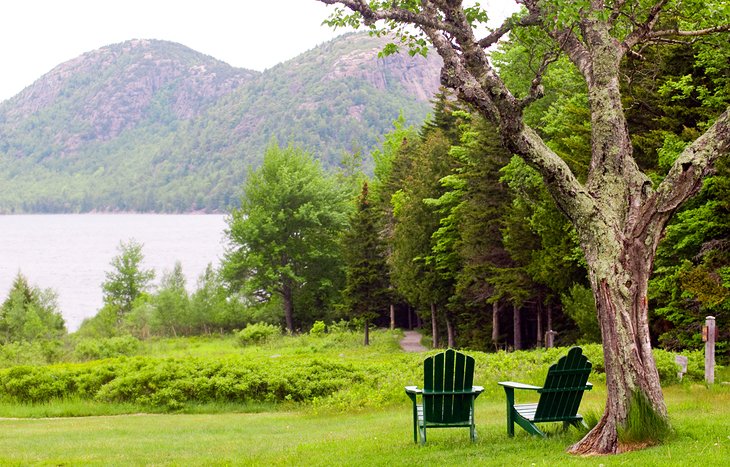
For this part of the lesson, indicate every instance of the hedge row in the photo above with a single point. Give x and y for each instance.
(172, 382)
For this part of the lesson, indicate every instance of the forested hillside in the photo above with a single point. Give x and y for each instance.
(154, 126)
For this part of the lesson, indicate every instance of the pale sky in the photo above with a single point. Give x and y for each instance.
(37, 35)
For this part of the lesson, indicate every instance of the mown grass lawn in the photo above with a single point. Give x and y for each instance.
(701, 418)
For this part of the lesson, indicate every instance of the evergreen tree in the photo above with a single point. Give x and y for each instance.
(29, 314)
(366, 291)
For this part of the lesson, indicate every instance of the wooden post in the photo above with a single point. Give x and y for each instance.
(550, 339)
(708, 335)
(682, 361)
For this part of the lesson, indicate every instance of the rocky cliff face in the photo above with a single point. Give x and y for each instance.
(104, 92)
(419, 76)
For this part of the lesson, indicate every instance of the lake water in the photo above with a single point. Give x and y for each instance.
(70, 253)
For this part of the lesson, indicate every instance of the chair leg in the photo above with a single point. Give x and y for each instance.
(415, 424)
(510, 396)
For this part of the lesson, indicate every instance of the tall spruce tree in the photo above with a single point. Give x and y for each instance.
(366, 292)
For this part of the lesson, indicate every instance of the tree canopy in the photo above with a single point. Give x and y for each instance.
(283, 240)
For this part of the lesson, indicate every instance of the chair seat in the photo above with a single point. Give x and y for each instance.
(422, 422)
(528, 411)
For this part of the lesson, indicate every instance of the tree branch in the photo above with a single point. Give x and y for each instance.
(694, 163)
(536, 89)
(508, 24)
(370, 16)
(694, 33)
(641, 32)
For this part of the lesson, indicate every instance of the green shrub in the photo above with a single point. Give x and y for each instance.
(94, 349)
(257, 333)
(38, 352)
(318, 329)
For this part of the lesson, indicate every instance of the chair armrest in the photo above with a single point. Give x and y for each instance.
(413, 390)
(514, 385)
(474, 390)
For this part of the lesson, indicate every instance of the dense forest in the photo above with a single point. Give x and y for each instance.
(443, 229)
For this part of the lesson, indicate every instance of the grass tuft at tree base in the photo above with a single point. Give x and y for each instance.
(644, 426)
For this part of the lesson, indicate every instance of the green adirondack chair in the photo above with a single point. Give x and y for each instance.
(447, 397)
(560, 396)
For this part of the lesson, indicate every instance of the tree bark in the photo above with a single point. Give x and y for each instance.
(549, 316)
(434, 327)
(518, 327)
(619, 274)
(288, 298)
(450, 333)
(392, 316)
(539, 326)
(495, 325)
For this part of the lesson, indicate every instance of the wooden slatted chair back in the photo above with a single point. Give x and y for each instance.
(564, 386)
(447, 371)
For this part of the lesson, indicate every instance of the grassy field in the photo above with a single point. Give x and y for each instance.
(325, 434)
(380, 437)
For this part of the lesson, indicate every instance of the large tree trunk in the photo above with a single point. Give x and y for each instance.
(287, 296)
(619, 278)
(619, 237)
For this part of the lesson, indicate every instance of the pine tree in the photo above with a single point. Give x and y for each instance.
(366, 293)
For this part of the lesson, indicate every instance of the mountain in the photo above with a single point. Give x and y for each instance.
(150, 125)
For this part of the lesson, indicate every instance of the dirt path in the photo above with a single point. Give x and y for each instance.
(411, 342)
